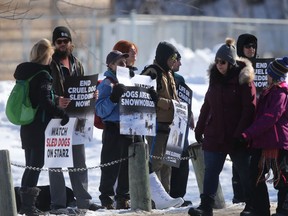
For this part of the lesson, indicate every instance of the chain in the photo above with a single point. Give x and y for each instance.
(182, 158)
(72, 169)
(168, 158)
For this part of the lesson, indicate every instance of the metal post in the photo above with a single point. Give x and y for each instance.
(7, 197)
(139, 185)
(196, 152)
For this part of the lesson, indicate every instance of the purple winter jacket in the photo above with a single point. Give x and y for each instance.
(228, 108)
(270, 128)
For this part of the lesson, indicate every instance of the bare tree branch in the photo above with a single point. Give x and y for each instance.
(11, 11)
(82, 6)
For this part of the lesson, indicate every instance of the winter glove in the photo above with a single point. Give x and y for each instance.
(199, 137)
(240, 143)
(65, 119)
(117, 92)
(153, 74)
(131, 73)
(153, 95)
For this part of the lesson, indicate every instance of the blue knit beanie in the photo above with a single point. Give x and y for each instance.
(278, 69)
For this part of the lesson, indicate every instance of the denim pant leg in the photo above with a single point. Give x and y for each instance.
(241, 162)
(57, 189)
(79, 180)
(214, 162)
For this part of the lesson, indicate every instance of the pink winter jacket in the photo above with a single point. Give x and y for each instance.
(270, 128)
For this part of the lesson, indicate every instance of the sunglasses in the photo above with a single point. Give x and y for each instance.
(220, 61)
(174, 57)
(60, 41)
(248, 46)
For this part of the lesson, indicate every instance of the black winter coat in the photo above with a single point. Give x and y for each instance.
(58, 75)
(41, 94)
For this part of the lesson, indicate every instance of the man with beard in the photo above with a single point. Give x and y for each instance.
(65, 64)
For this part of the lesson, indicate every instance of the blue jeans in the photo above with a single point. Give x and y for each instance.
(214, 162)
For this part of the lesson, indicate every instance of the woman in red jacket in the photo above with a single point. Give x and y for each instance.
(228, 109)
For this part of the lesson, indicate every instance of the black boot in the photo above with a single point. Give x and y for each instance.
(282, 205)
(248, 211)
(28, 196)
(205, 207)
(122, 203)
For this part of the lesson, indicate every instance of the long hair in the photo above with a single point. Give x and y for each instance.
(41, 51)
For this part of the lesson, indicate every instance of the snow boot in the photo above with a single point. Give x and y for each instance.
(28, 196)
(250, 211)
(160, 197)
(282, 206)
(122, 203)
(205, 207)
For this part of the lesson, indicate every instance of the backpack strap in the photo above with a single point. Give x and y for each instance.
(42, 71)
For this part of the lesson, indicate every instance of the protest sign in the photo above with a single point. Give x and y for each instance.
(80, 89)
(58, 143)
(185, 95)
(138, 80)
(260, 66)
(137, 112)
(177, 135)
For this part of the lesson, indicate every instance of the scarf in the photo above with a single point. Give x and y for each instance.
(268, 160)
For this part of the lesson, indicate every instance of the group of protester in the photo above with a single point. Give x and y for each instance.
(46, 91)
(233, 121)
(252, 130)
(107, 107)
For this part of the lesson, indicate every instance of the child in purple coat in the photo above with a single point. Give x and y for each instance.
(268, 136)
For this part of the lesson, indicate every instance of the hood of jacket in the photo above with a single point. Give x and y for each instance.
(111, 74)
(243, 40)
(243, 70)
(27, 69)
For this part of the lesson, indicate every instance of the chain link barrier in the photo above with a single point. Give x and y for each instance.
(103, 165)
(71, 169)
